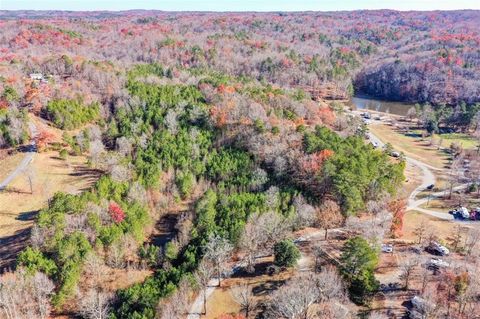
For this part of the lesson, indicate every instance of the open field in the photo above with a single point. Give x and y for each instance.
(9, 162)
(221, 300)
(412, 180)
(441, 228)
(413, 147)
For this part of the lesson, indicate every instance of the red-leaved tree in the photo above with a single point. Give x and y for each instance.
(116, 212)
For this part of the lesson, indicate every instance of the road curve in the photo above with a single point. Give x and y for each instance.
(27, 159)
(428, 178)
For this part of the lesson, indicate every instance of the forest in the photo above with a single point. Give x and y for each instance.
(230, 117)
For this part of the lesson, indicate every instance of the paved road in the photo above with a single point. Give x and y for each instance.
(428, 178)
(27, 159)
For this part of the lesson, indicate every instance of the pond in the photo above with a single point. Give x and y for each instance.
(368, 103)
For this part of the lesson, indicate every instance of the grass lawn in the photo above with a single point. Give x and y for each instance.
(441, 228)
(445, 205)
(9, 162)
(50, 175)
(465, 140)
(413, 146)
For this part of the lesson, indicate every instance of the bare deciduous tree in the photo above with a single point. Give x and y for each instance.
(203, 276)
(330, 285)
(260, 233)
(305, 212)
(420, 231)
(294, 299)
(333, 309)
(242, 294)
(177, 305)
(218, 251)
(25, 296)
(94, 304)
(407, 266)
(30, 175)
(94, 268)
(472, 240)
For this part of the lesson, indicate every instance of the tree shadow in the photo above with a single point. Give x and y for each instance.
(267, 287)
(86, 172)
(27, 148)
(27, 216)
(15, 190)
(10, 247)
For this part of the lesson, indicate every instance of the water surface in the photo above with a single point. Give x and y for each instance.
(367, 103)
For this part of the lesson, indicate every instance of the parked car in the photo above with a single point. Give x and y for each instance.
(430, 187)
(395, 154)
(366, 115)
(460, 213)
(387, 248)
(437, 249)
(437, 263)
(475, 213)
(418, 309)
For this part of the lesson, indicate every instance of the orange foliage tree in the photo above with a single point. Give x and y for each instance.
(398, 208)
(312, 163)
(43, 138)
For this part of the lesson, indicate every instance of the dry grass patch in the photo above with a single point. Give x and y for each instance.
(9, 162)
(413, 147)
(441, 228)
(221, 300)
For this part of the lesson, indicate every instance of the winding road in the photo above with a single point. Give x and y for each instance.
(428, 178)
(30, 151)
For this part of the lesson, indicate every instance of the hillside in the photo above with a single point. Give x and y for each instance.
(186, 148)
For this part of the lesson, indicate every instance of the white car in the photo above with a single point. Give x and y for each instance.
(418, 308)
(437, 249)
(436, 263)
(418, 303)
(387, 248)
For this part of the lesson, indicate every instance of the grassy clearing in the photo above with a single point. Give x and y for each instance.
(412, 180)
(440, 228)
(465, 140)
(222, 302)
(444, 205)
(413, 146)
(49, 175)
(8, 163)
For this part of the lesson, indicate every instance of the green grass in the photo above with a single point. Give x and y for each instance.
(465, 140)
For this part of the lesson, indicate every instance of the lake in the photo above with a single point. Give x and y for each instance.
(397, 108)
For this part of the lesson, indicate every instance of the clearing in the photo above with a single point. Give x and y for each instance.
(411, 145)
